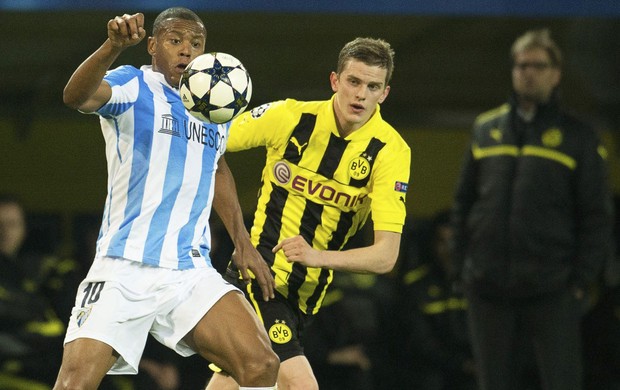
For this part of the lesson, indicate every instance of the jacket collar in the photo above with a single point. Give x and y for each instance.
(544, 111)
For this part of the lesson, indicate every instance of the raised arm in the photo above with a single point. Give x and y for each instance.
(86, 91)
(378, 258)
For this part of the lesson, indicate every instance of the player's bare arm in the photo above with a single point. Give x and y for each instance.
(378, 258)
(245, 257)
(86, 90)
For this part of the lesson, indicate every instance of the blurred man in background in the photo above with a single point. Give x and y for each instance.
(533, 221)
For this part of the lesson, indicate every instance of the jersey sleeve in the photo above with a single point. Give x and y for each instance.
(124, 82)
(262, 126)
(389, 188)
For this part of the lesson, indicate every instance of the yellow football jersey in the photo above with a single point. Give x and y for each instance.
(319, 185)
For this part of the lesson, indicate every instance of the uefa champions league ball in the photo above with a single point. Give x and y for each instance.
(215, 87)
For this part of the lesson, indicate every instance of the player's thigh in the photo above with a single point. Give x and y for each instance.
(86, 359)
(296, 373)
(230, 333)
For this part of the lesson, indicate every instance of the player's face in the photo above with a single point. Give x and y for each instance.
(176, 44)
(359, 88)
(533, 75)
(12, 228)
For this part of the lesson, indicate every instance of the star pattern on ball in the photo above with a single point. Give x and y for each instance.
(213, 87)
(218, 73)
(239, 101)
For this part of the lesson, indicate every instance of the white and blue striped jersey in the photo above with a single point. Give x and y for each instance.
(161, 173)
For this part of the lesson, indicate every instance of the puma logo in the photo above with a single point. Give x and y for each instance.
(299, 147)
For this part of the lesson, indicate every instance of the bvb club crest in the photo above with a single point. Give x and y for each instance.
(359, 167)
(280, 333)
(552, 138)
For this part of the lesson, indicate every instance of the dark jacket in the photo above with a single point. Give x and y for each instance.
(434, 316)
(33, 289)
(533, 210)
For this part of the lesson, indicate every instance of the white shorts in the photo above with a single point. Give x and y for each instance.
(121, 301)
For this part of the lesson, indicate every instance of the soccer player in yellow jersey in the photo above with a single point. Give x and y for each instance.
(330, 164)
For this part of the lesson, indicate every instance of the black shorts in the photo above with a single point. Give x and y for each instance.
(283, 321)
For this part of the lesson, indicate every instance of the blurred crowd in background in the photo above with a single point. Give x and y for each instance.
(406, 327)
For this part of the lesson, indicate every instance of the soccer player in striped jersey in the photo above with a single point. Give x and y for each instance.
(329, 165)
(152, 271)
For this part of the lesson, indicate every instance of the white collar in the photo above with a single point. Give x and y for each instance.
(157, 76)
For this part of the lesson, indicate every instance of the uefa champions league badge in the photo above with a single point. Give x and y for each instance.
(257, 112)
(400, 186)
(82, 315)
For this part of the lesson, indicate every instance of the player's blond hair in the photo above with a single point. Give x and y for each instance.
(538, 39)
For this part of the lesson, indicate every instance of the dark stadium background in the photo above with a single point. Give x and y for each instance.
(451, 64)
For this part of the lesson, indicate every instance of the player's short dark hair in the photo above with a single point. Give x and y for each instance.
(176, 13)
(371, 51)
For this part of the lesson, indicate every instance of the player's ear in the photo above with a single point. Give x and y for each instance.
(333, 80)
(386, 92)
(150, 44)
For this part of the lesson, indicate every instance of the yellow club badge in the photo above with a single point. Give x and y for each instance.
(552, 137)
(280, 333)
(359, 167)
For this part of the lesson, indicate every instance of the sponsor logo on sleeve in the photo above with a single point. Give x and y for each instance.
(82, 315)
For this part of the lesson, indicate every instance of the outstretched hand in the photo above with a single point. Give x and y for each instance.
(297, 250)
(126, 30)
(246, 258)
